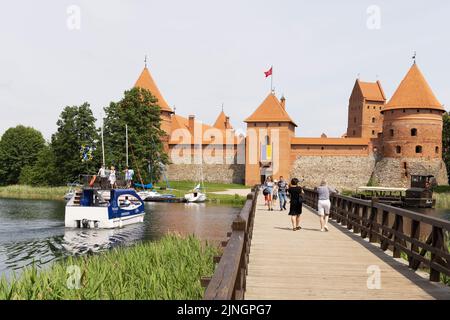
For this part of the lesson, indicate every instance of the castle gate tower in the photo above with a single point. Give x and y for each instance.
(268, 142)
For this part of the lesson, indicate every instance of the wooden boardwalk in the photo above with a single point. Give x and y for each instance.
(309, 264)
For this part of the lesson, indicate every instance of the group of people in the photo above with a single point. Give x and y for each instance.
(280, 190)
(111, 176)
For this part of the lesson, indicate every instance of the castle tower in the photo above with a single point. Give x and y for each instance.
(145, 81)
(268, 142)
(222, 122)
(412, 125)
(364, 110)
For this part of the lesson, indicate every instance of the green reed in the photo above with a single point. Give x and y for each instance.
(167, 269)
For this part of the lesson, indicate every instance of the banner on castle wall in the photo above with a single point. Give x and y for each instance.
(266, 152)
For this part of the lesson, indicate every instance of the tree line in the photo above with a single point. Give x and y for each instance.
(76, 148)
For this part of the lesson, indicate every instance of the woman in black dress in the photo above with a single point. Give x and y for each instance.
(296, 195)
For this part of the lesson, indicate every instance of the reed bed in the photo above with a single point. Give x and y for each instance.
(36, 193)
(442, 200)
(167, 269)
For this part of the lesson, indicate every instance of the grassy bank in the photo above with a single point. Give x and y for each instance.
(168, 269)
(179, 188)
(28, 192)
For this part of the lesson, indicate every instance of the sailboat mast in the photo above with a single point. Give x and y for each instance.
(103, 147)
(126, 142)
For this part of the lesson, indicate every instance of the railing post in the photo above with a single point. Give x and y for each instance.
(437, 243)
(373, 237)
(356, 220)
(415, 234)
(397, 240)
(363, 222)
(385, 223)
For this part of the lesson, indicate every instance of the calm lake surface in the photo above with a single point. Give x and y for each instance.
(33, 230)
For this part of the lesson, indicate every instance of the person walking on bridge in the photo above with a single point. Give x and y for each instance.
(324, 204)
(282, 189)
(268, 192)
(295, 210)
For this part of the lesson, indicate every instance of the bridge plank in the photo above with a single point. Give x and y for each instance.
(309, 264)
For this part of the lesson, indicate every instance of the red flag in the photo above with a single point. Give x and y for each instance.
(268, 73)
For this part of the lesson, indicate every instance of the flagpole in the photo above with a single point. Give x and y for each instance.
(271, 80)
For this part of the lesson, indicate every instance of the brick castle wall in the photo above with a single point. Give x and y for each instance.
(341, 172)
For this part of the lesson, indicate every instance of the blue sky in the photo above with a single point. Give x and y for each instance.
(205, 53)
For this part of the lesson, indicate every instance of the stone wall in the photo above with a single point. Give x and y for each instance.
(221, 173)
(341, 172)
(395, 172)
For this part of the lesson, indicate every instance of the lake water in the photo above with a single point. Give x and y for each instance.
(33, 231)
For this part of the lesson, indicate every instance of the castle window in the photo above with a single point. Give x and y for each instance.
(373, 120)
(368, 107)
(404, 110)
(418, 110)
(436, 150)
(398, 149)
(322, 148)
(418, 149)
(413, 132)
(391, 132)
(380, 108)
(374, 107)
(373, 132)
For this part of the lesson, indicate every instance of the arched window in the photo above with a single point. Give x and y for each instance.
(373, 120)
(413, 132)
(418, 149)
(373, 132)
(391, 132)
(436, 150)
(398, 149)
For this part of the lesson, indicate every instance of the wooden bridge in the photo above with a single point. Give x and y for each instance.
(361, 257)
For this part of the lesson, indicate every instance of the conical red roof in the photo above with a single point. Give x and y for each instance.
(146, 81)
(270, 110)
(413, 92)
(221, 122)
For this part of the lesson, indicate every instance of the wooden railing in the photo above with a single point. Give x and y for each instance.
(228, 280)
(423, 239)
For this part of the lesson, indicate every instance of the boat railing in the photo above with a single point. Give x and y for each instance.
(422, 239)
(102, 183)
(229, 279)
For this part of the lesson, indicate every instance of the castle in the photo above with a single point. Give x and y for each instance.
(386, 141)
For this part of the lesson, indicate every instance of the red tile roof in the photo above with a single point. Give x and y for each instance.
(413, 92)
(146, 81)
(372, 90)
(270, 110)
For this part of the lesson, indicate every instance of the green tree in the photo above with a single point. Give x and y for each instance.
(446, 141)
(19, 147)
(76, 135)
(138, 110)
(43, 172)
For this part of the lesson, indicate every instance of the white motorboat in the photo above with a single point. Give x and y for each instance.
(91, 210)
